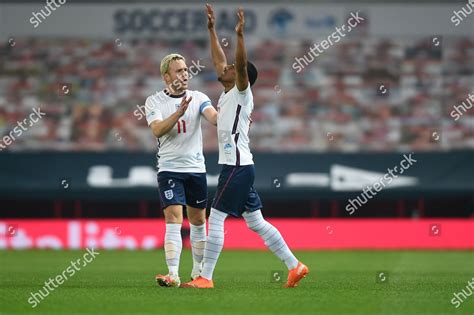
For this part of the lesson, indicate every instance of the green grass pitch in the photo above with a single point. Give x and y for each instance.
(340, 282)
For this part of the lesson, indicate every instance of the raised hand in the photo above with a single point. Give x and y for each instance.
(184, 105)
(210, 16)
(239, 29)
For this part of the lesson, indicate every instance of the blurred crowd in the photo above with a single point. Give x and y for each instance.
(363, 94)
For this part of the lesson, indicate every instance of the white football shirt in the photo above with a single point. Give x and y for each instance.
(233, 125)
(180, 150)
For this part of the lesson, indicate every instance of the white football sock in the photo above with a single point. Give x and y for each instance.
(214, 243)
(198, 241)
(271, 236)
(173, 247)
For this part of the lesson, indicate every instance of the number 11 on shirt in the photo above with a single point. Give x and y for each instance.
(181, 126)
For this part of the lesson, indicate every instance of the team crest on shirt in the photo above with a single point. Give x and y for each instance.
(169, 194)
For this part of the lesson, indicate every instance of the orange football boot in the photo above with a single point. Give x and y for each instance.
(296, 274)
(199, 283)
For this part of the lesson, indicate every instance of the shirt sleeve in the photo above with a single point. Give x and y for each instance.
(245, 96)
(204, 102)
(151, 110)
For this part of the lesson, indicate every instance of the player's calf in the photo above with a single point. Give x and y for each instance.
(275, 242)
(271, 237)
(198, 242)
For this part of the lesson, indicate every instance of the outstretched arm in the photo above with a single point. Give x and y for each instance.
(242, 79)
(218, 56)
(210, 114)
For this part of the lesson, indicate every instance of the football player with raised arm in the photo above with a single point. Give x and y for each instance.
(236, 194)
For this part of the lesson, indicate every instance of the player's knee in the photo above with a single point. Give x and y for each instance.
(173, 214)
(196, 216)
(197, 220)
(173, 219)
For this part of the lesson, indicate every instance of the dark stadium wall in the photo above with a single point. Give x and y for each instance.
(296, 185)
